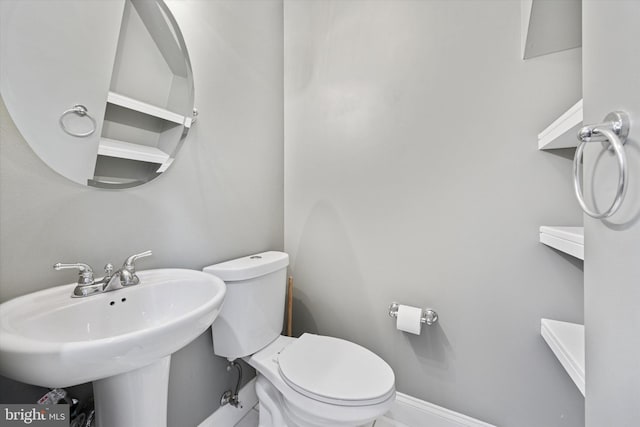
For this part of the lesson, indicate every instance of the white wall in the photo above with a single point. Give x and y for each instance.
(222, 198)
(412, 175)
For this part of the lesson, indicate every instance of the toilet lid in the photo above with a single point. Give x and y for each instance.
(335, 371)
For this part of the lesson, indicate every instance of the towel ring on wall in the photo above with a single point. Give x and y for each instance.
(82, 111)
(613, 135)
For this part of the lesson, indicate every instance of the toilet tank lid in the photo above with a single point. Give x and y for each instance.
(249, 267)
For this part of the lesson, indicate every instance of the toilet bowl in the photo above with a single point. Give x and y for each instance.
(310, 381)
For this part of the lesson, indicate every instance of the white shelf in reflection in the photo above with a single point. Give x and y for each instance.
(127, 150)
(149, 109)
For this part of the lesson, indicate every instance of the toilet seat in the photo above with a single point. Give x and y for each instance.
(335, 371)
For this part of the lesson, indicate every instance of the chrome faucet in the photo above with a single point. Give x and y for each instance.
(87, 285)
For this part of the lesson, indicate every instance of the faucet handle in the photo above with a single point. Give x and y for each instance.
(84, 270)
(128, 275)
(129, 262)
(108, 270)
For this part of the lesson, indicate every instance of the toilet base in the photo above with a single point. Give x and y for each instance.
(270, 403)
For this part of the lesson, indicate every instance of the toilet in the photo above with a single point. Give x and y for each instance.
(310, 381)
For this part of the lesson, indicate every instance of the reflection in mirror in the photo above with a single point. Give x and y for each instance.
(101, 90)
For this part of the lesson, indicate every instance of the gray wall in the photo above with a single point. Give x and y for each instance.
(612, 245)
(222, 198)
(412, 175)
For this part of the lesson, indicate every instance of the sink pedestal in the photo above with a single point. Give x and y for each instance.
(137, 398)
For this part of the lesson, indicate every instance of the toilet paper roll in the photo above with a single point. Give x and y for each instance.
(409, 319)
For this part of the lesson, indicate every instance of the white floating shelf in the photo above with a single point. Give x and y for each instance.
(566, 340)
(550, 26)
(562, 133)
(566, 239)
(127, 150)
(152, 110)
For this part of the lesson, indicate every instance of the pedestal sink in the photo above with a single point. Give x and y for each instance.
(120, 340)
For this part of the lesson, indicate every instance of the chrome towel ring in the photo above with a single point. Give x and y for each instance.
(80, 110)
(613, 135)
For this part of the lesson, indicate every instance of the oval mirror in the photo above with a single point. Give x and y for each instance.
(101, 90)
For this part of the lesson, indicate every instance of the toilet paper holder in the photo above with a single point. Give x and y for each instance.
(429, 316)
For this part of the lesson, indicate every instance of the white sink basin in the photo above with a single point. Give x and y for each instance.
(49, 339)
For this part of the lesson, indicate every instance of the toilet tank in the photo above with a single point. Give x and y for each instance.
(252, 315)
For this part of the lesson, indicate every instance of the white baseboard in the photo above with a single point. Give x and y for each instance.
(227, 415)
(414, 412)
(406, 411)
